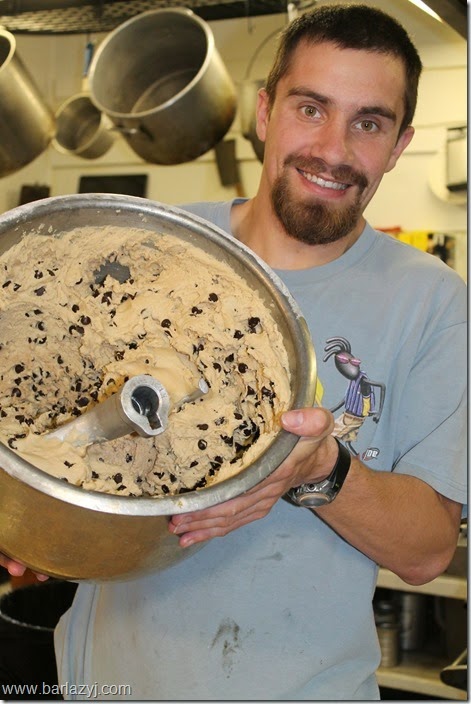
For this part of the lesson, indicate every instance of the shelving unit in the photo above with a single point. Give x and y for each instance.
(419, 672)
(447, 585)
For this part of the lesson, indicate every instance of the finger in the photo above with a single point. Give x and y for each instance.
(310, 422)
(262, 496)
(219, 521)
(15, 569)
(217, 528)
(224, 521)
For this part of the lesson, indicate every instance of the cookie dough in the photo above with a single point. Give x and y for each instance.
(82, 312)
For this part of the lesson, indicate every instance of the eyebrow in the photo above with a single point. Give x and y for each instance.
(324, 100)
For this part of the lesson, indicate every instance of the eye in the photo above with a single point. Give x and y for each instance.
(310, 111)
(367, 126)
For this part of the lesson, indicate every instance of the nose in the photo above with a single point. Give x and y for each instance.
(331, 142)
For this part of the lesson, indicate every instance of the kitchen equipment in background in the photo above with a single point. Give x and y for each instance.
(81, 129)
(126, 184)
(388, 630)
(457, 158)
(412, 621)
(81, 534)
(28, 616)
(34, 191)
(248, 92)
(26, 122)
(163, 84)
(228, 166)
(456, 674)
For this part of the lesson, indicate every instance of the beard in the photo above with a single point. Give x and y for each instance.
(314, 221)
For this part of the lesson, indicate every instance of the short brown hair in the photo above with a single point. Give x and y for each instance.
(351, 27)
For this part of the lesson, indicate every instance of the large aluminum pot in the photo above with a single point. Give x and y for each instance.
(81, 129)
(162, 82)
(67, 532)
(26, 122)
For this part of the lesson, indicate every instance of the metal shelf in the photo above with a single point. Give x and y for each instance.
(447, 585)
(85, 16)
(419, 672)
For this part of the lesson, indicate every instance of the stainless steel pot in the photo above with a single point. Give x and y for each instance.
(67, 532)
(160, 79)
(81, 129)
(248, 93)
(26, 122)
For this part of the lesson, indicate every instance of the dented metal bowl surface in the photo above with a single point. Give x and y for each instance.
(68, 532)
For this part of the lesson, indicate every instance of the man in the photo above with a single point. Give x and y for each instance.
(280, 608)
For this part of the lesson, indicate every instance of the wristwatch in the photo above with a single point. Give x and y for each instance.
(324, 492)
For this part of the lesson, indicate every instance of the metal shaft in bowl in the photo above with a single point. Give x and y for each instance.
(142, 405)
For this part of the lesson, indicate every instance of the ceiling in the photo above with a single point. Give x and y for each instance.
(92, 16)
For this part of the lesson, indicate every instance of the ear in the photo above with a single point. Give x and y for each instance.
(263, 114)
(401, 144)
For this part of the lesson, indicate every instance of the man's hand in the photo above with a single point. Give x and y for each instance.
(16, 569)
(311, 460)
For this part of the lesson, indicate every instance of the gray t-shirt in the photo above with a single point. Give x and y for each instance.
(281, 609)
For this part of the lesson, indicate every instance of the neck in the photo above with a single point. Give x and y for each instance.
(255, 224)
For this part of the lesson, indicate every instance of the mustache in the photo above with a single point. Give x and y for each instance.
(342, 172)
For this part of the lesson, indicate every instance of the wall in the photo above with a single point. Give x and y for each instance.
(412, 196)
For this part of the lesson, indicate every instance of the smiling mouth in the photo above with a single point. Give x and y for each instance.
(333, 185)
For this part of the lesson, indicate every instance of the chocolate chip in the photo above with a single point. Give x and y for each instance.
(76, 328)
(253, 323)
(202, 444)
(213, 297)
(203, 426)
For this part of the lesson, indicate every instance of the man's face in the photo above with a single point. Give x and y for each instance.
(330, 136)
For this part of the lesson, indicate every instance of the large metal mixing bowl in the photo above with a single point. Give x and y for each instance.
(67, 532)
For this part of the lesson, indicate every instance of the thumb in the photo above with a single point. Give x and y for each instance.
(310, 422)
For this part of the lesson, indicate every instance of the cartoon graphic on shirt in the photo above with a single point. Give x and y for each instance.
(359, 401)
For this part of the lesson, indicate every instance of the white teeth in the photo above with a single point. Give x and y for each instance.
(325, 184)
